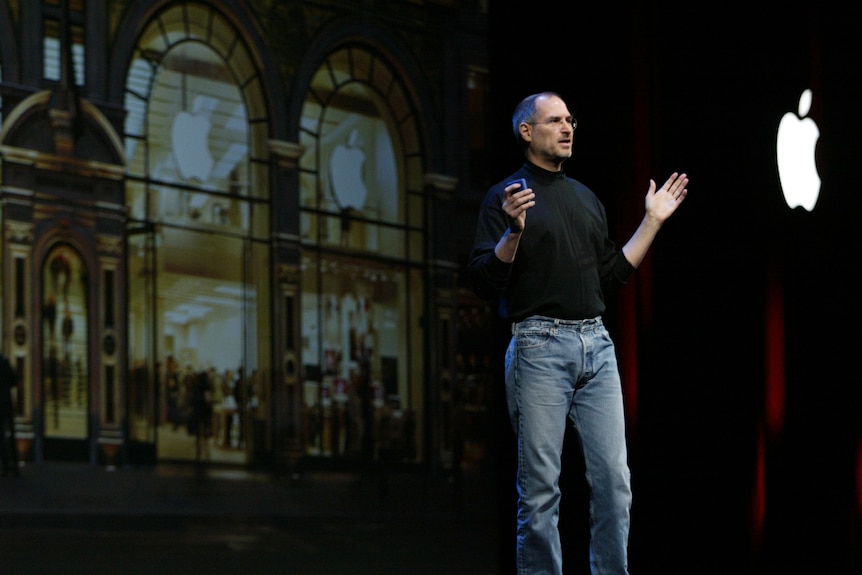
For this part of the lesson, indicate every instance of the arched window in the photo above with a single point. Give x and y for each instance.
(198, 196)
(362, 231)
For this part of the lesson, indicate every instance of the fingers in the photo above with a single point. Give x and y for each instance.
(672, 180)
(513, 188)
(676, 185)
(515, 205)
(517, 199)
(679, 187)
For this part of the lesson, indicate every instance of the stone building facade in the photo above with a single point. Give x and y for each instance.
(227, 229)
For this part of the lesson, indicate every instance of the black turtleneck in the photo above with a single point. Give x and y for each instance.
(565, 261)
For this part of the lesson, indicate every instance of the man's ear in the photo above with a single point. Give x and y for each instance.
(526, 133)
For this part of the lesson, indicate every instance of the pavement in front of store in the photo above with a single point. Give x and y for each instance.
(184, 518)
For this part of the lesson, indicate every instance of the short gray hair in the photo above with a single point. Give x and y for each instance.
(525, 111)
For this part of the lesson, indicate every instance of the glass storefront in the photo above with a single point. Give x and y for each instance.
(249, 280)
(358, 400)
(362, 217)
(197, 242)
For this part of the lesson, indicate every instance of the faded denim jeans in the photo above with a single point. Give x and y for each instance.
(559, 371)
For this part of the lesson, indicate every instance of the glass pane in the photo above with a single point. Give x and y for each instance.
(308, 226)
(197, 122)
(360, 170)
(260, 180)
(174, 24)
(65, 363)
(330, 231)
(261, 221)
(343, 231)
(136, 200)
(203, 310)
(201, 210)
(152, 42)
(223, 36)
(354, 350)
(382, 77)
(321, 87)
(257, 426)
(308, 190)
(362, 62)
(340, 68)
(138, 88)
(241, 65)
(143, 373)
(78, 55)
(417, 247)
(51, 50)
(198, 21)
(136, 156)
(253, 94)
(393, 242)
(310, 123)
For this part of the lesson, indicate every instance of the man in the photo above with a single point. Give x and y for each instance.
(543, 250)
(8, 448)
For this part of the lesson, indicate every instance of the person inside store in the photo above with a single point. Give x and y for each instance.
(542, 250)
(9, 447)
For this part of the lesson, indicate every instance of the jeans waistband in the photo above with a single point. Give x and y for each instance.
(575, 324)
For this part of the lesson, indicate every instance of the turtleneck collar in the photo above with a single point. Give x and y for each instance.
(542, 175)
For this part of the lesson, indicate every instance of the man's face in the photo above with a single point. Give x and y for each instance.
(550, 134)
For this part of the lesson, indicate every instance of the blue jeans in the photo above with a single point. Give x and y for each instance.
(559, 370)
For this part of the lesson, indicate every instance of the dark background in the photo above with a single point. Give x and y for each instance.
(701, 89)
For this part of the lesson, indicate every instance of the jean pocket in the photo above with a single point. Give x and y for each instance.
(532, 339)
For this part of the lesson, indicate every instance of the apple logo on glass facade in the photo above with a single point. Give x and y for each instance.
(190, 140)
(795, 150)
(346, 172)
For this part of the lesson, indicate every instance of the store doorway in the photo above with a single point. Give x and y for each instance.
(65, 366)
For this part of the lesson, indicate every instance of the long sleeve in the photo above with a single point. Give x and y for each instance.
(565, 261)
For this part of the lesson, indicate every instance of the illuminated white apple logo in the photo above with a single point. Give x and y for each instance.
(345, 173)
(795, 150)
(189, 138)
